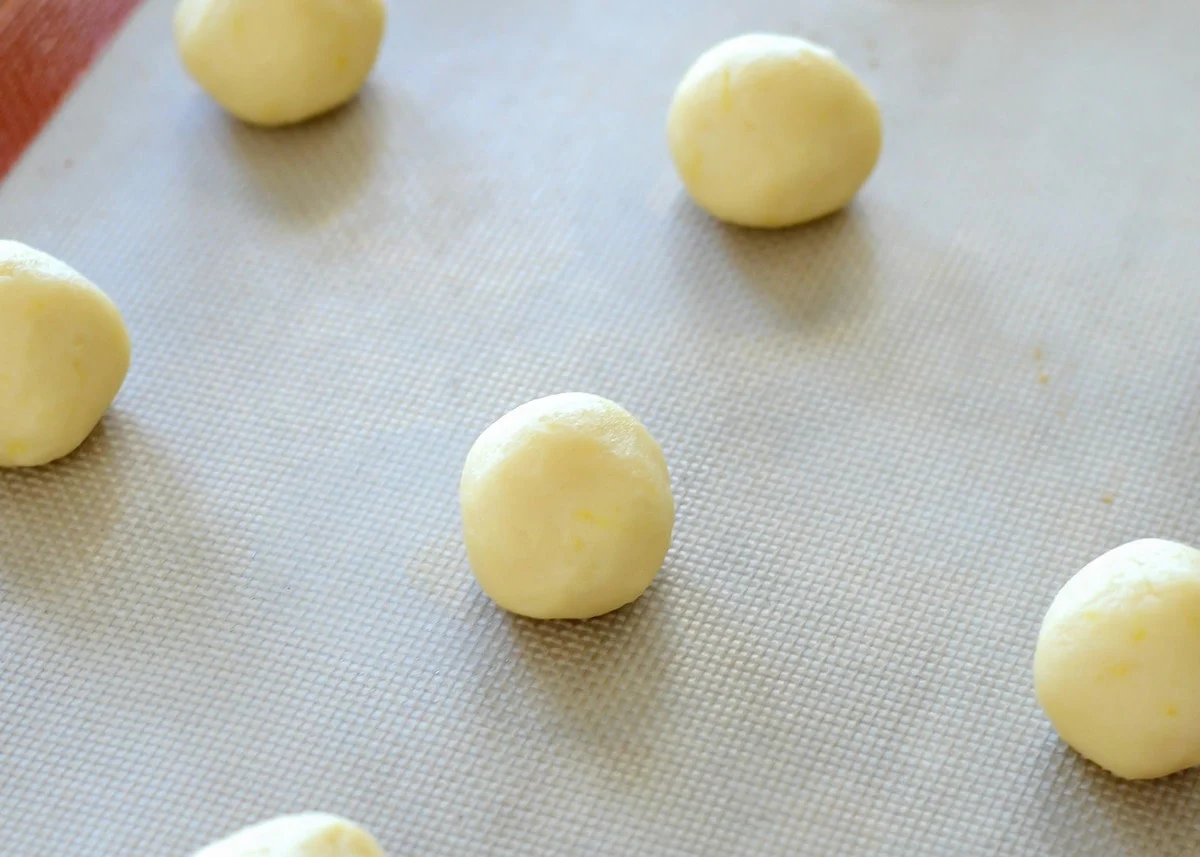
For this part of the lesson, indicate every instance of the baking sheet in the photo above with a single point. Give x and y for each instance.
(893, 434)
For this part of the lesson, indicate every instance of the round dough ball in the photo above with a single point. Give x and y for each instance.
(309, 834)
(770, 131)
(275, 62)
(1117, 668)
(64, 352)
(567, 508)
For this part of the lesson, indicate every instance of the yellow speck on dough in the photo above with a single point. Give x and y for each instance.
(15, 448)
(577, 543)
(1107, 499)
(726, 90)
(342, 62)
(1138, 635)
(1171, 711)
(1091, 615)
(1117, 670)
(590, 517)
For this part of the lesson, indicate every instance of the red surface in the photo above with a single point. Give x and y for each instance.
(45, 46)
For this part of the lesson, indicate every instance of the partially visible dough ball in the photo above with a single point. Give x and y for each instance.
(309, 834)
(567, 508)
(771, 131)
(275, 62)
(64, 352)
(1117, 668)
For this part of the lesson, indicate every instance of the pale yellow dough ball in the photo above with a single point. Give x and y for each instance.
(567, 508)
(771, 131)
(64, 353)
(1117, 667)
(275, 62)
(309, 834)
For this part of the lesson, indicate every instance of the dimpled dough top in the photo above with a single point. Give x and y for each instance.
(567, 508)
(64, 352)
(309, 834)
(275, 62)
(771, 131)
(1117, 667)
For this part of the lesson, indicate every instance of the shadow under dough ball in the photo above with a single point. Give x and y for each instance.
(277, 62)
(64, 354)
(567, 508)
(771, 131)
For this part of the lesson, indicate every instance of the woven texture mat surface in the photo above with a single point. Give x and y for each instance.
(893, 435)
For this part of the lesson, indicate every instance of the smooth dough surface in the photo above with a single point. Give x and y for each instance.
(1117, 668)
(309, 834)
(64, 353)
(275, 62)
(567, 508)
(770, 131)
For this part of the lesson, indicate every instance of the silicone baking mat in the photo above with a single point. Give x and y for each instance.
(893, 434)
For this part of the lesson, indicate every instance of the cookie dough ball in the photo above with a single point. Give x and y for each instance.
(64, 352)
(275, 62)
(309, 834)
(771, 131)
(567, 508)
(1117, 668)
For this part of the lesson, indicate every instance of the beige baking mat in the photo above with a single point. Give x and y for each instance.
(893, 435)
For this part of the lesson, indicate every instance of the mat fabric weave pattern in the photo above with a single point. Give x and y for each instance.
(893, 435)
